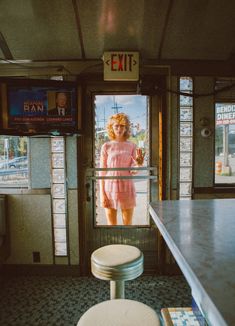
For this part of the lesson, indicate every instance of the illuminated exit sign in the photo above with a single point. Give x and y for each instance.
(121, 65)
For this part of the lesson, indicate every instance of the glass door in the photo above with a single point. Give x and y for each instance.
(95, 231)
(115, 175)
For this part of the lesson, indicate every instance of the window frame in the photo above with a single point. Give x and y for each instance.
(221, 185)
(15, 186)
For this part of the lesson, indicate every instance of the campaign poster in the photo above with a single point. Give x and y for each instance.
(48, 107)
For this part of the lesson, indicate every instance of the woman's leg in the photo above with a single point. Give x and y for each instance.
(111, 215)
(127, 215)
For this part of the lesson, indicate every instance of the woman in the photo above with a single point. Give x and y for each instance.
(119, 153)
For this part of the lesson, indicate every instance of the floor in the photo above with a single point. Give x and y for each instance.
(41, 300)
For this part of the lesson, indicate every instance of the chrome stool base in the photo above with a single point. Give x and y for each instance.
(117, 263)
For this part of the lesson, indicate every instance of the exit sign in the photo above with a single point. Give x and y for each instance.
(121, 65)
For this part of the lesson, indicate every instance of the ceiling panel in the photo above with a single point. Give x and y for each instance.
(40, 29)
(152, 31)
(122, 25)
(201, 30)
(116, 25)
(81, 30)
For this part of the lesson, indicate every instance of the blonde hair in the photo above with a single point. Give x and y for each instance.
(122, 119)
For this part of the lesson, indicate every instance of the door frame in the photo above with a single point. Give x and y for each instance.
(85, 147)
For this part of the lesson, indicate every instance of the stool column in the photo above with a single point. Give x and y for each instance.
(117, 263)
(117, 290)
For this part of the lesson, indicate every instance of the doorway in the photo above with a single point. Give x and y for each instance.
(145, 120)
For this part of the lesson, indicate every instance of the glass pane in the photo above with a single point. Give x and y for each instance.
(59, 220)
(58, 190)
(57, 144)
(59, 205)
(186, 114)
(185, 144)
(58, 175)
(60, 248)
(60, 235)
(186, 83)
(186, 100)
(185, 189)
(186, 137)
(13, 161)
(185, 174)
(185, 129)
(225, 114)
(57, 160)
(58, 195)
(119, 192)
(225, 143)
(185, 159)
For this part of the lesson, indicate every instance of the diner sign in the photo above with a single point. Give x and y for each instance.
(225, 114)
(121, 65)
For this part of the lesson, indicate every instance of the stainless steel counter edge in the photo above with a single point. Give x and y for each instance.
(199, 294)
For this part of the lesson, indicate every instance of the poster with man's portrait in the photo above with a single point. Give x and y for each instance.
(59, 103)
(42, 107)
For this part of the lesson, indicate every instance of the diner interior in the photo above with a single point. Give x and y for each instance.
(170, 67)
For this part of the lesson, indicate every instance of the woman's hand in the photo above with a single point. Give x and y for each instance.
(139, 157)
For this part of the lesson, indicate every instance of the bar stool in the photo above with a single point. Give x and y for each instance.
(117, 263)
(119, 312)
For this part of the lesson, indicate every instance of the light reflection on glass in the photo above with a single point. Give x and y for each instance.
(59, 220)
(57, 144)
(186, 129)
(60, 248)
(185, 144)
(58, 190)
(59, 205)
(186, 114)
(60, 235)
(58, 175)
(185, 159)
(58, 160)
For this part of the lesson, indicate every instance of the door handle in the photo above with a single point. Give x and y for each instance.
(88, 197)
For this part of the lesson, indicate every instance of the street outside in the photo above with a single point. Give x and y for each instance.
(226, 178)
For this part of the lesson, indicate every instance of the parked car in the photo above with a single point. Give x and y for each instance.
(18, 163)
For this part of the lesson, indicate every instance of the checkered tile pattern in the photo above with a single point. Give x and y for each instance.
(180, 317)
(60, 301)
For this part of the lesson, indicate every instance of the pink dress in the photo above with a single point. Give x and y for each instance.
(121, 192)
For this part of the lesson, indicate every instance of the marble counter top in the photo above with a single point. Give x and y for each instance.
(201, 237)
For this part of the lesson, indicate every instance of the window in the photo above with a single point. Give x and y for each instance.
(59, 195)
(224, 131)
(225, 143)
(13, 161)
(186, 138)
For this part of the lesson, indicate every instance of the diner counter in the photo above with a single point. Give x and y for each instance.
(201, 237)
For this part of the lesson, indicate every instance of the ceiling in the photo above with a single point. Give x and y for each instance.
(68, 37)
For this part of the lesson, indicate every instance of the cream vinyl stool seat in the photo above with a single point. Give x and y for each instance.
(120, 312)
(117, 263)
